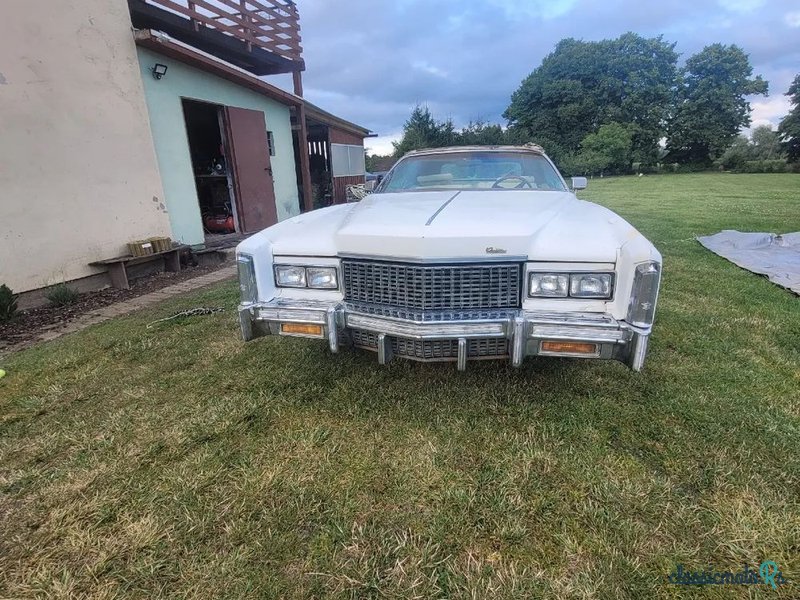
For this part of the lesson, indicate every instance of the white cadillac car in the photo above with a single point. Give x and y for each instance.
(460, 254)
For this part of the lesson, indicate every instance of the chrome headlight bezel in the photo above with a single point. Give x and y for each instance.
(567, 284)
(304, 276)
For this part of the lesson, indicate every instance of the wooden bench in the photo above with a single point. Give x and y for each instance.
(118, 267)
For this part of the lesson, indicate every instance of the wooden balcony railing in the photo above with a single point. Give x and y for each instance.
(273, 25)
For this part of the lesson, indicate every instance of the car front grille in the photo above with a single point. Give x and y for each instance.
(412, 291)
(434, 349)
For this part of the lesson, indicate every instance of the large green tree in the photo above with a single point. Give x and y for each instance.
(766, 143)
(763, 145)
(582, 85)
(480, 133)
(421, 130)
(789, 129)
(711, 106)
(608, 150)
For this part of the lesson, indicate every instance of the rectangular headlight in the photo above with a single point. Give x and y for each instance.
(591, 285)
(248, 291)
(548, 285)
(290, 276)
(642, 307)
(323, 278)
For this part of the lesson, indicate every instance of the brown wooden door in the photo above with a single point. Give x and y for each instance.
(248, 152)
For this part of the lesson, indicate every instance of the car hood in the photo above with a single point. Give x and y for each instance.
(538, 225)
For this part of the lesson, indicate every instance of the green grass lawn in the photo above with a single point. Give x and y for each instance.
(177, 461)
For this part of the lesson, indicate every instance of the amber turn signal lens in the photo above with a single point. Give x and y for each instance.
(570, 347)
(301, 329)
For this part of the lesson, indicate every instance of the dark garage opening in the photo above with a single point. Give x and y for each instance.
(212, 174)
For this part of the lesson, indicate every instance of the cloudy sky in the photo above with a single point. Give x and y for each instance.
(371, 62)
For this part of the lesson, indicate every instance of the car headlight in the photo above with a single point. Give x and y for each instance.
(590, 285)
(290, 276)
(571, 285)
(318, 278)
(548, 285)
(323, 278)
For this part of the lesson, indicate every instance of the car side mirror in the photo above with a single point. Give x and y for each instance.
(369, 186)
(579, 183)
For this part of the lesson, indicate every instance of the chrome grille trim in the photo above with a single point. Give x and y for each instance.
(434, 349)
(422, 316)
(415, 291)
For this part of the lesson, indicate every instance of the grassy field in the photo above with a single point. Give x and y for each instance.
(177, 461)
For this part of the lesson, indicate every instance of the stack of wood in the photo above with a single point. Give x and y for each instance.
(151, 245)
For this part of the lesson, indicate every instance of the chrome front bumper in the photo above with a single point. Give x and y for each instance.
(520, 332)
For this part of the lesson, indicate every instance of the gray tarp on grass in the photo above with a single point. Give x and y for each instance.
(776, 256)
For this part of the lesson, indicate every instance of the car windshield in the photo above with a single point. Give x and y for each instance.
(473, 170)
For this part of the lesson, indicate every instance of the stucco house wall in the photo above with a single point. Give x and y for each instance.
(78, 172)
(168, 127)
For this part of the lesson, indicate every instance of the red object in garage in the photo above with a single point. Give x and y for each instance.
(219, 223)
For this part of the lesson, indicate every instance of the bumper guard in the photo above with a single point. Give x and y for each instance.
(521, 332)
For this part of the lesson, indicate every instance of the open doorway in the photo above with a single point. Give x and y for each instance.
(213, 178)
(231, 160)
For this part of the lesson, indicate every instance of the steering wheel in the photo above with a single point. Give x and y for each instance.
(522, 181)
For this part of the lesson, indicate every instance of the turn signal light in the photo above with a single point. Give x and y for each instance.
(569, 347)
(301, 329)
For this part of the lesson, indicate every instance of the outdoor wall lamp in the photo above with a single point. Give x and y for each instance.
(159, 70)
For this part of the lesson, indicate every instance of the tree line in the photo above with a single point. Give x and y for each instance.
(613, 105)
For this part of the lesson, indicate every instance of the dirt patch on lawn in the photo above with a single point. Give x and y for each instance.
(29, 324)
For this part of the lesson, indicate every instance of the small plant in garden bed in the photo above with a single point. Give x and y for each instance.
(8, 303)
(62, 295)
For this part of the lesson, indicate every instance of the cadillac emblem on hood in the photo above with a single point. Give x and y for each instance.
(493, 250)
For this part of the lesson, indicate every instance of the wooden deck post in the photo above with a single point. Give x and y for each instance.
(302, 139)
(297, 80)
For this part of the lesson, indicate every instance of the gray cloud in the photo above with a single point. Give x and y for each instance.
(372, 62)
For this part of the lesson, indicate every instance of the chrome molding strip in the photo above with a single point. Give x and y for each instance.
(384, 349)
(518, 343)
(571, 319)
(444, 260)
(462, 354)
(638, 352)
(333, 329)
(489, 315)
(441, 208)
(289, 314)
(430, 331)
(296, 304)
(246, 323)
(583, 334)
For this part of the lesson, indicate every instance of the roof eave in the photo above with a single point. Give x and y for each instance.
(163, 44)
(318, 114)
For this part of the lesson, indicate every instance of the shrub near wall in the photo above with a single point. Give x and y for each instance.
(764, 166)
